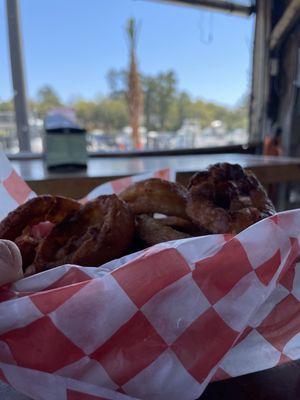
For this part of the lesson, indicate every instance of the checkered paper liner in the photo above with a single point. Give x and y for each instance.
(160, 323)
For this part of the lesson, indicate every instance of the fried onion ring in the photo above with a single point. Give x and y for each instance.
(99, 231)
(176, 222)
(183, 225)
(156, 196)
(27, 246)
(18, 224)
(152, 231)
(227, 199)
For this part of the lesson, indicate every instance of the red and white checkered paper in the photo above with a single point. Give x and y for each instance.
(160, 323)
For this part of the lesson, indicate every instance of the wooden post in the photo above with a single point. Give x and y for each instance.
(258, 124)
(288, 19)
(16, 58)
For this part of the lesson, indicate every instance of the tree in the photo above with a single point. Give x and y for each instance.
(107, 114)
(184, 108)
(86, 112)
(134, 92)
(47, 99)
(114, 114)
(117, 82)
(159, 95)
(242, 111)
(150, 104)
(7, 105)
(166, 92)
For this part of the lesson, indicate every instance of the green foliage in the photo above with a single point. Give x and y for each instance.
(159, 92)
(117, 82)
(107, 114)
(6, 105)
(131, 32)
(165, 107)
(47, 99)
(3, 133)
(114, 114)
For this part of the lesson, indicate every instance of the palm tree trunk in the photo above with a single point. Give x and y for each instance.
(134, 94)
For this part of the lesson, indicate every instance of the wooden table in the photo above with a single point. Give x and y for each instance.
(279, 383)
(78, 184)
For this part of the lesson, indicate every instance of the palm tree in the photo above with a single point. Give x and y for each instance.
(134, 92)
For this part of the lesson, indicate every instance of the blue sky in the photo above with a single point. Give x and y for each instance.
(71, 44)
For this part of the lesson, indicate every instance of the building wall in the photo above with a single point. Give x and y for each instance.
(275, 99)
(284, 97)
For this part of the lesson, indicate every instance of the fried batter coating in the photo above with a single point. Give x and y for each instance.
(38, 209)
(99, 231)
(227, 199)
(177, 222)
(156, 196)
(183, 225)
(152, 231)
(18, 224)
(27, 246)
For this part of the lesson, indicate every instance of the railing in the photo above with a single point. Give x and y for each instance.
(251, 148)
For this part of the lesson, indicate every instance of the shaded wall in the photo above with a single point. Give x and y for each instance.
(284, 96)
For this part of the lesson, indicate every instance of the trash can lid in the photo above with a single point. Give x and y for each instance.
(63, 119)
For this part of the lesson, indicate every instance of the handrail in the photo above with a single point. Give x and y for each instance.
(250, 148)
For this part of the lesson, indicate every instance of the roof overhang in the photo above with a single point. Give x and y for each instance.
(287, 21)
(217, 5)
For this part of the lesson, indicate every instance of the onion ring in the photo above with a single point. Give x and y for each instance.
(227, 199)
(18, 224)
(152, 231)
(99, 231)
(183, 225)
(156, 196)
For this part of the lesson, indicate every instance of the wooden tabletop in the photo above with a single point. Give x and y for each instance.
(279, 383)
(99, 170)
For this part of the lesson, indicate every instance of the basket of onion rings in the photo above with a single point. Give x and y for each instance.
(147, 293)
(52, 230)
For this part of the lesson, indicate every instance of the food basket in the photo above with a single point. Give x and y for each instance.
(160, 323)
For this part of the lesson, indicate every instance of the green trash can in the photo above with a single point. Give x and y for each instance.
(65, 143)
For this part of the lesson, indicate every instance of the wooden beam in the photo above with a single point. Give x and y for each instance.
(217, 5)
(286, 22)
